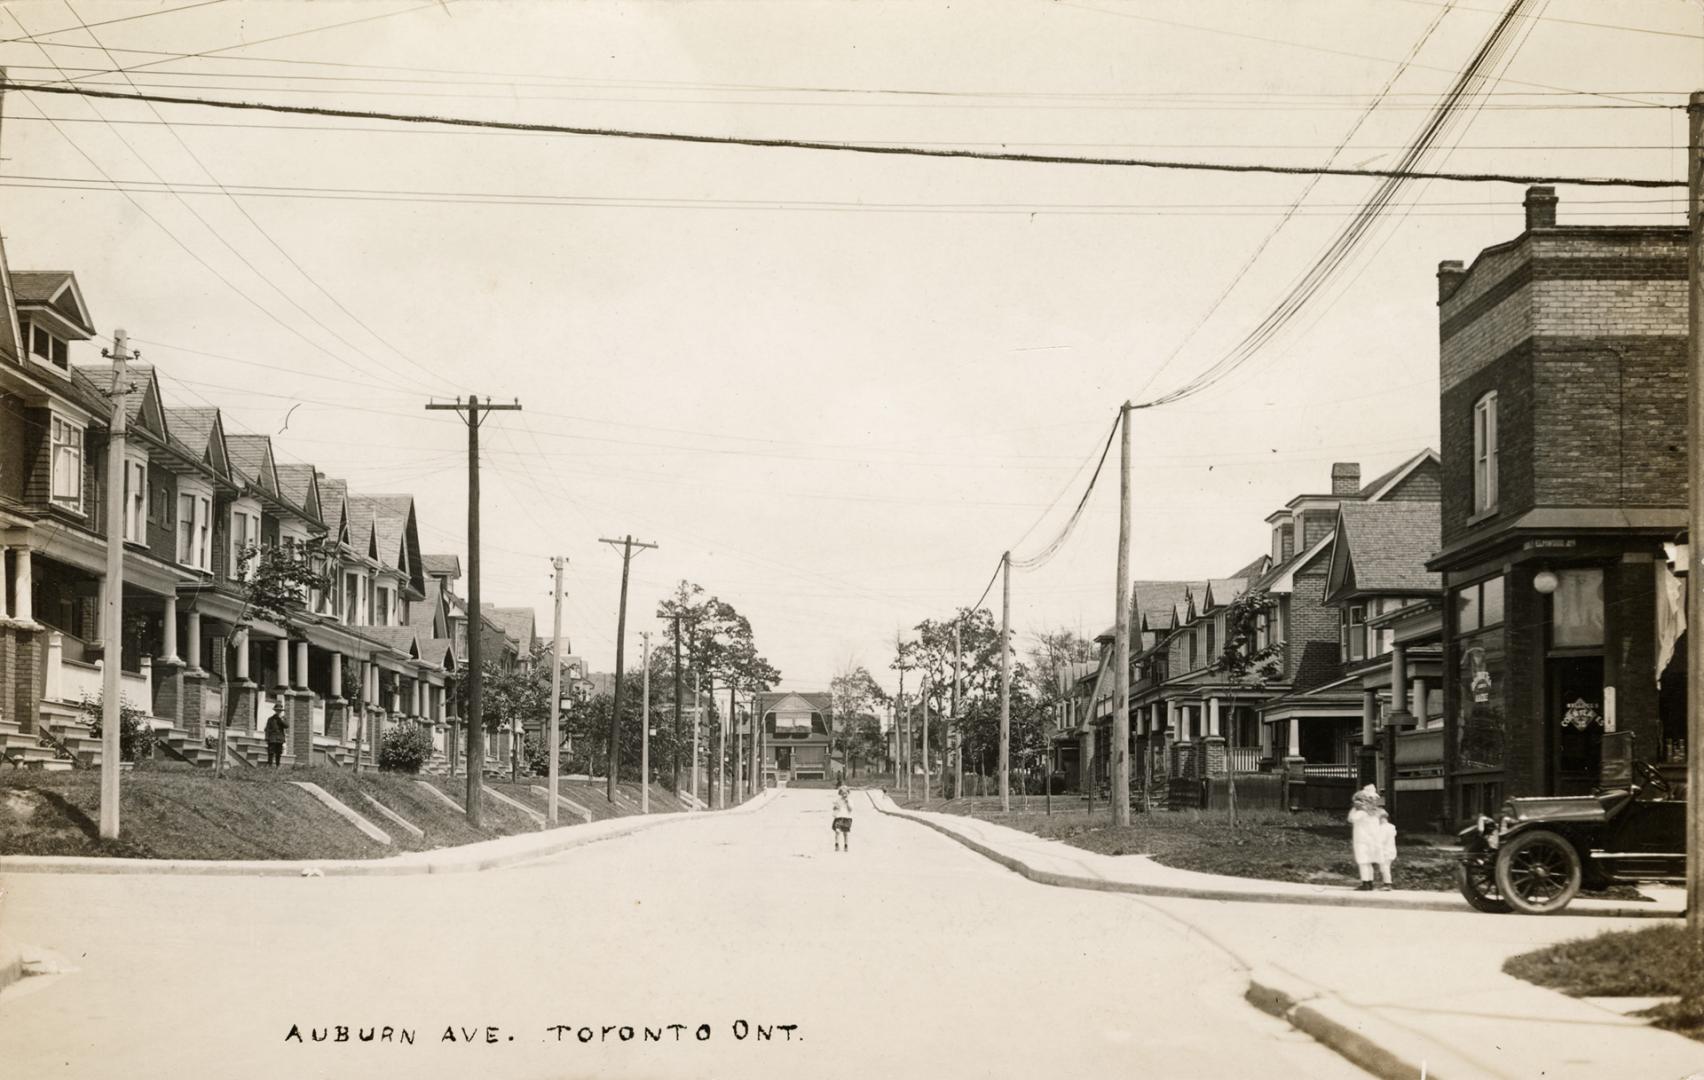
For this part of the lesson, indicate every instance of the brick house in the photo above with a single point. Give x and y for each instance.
(1563, 412)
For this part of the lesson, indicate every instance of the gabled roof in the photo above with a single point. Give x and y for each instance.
(201, 434)
(1221, 591)
(298, 485)
(1384, 484)
(1153, 602)
(440, 651)
(11, 333)
(518, 624)
(334, 508)
(251, 460)
(443, 565)
(821, 702)
(1255, 570)
(56, 290)
(399, 639)
(1282, 578)
(143, 407)
(1383, 547)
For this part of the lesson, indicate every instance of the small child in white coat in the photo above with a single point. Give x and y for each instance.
(1373, 838)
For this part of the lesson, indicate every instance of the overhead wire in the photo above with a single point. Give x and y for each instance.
(878, 149)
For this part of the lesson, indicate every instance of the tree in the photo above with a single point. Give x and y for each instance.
(518, 697)
(274, 583)
(854, 693)
(1246, 663)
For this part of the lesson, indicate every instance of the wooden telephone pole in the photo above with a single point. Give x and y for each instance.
(1695, 521)
(1006, 683)
(1120, 747)
(554, 741)
(645, 729)
(112, 613)
(470, 414)
(626, 545)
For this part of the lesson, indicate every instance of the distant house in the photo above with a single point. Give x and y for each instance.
(795, 728)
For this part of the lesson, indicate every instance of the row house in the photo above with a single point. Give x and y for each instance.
(381, 644)
(1562, 407)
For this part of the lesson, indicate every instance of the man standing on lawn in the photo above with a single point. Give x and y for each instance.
(276, 728)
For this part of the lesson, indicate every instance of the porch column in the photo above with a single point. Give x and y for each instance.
(1213, 727)
(21, 603)
(282, 677)
(1367, 758)
(242, 655)
(168, 625)
(1265, 738)
(1398, 678)
(98, 638)
(1294, 735)
(302, 665)
(419, 696)
(1171, 721)
(194, 641)
(336, 676)
(5, 586)
(1417, 698)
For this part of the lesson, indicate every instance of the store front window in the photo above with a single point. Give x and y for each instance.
(1480, 668)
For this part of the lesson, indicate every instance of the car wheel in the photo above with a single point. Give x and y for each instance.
(1478, 884)
(1538, 873)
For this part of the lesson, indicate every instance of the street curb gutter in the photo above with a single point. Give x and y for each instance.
(1381, 1048)
(468, 858)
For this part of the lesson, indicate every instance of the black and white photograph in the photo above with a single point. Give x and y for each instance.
(496, 496)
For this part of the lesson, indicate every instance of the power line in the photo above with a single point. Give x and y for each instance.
(882, 149)
(267, 236)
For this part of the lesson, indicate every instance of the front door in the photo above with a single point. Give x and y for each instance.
(1574, 718)
(784, 761)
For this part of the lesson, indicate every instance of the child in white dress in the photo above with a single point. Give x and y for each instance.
(1373, 838)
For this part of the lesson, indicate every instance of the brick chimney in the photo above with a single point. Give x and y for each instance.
(1345, 478)
(1451, 273)
(1540, 207)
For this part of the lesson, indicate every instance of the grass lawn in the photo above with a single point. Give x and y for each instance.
(1659, 962)
(1275, 845)
(173, 811)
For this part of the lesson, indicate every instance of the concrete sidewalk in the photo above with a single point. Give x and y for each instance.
(485, 855)
(1054, 862)
(1402, 984)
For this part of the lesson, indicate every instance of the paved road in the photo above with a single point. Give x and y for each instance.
(908, 956)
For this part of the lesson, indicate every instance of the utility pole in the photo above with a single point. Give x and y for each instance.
(645, 728)
(924, 696)
(627, 544)
(112, 614)
(1006, 683)
(554, 740)
(898, 710)
(697, 708)
(475, 713)
(1121, 635)
(676, 754)
(958, 721)
(1695, 521)
(733, 721)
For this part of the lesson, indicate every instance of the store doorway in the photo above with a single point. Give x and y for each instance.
(1574, 718)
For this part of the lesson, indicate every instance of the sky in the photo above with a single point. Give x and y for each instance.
(832, 388)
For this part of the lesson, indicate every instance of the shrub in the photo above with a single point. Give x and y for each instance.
(135, 733)
(406, 747)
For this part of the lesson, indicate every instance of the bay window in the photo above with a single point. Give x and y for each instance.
(195, 526)
(245, 535)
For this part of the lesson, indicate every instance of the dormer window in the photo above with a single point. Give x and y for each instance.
(47, 346)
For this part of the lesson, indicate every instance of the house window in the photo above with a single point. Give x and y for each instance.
(136, 501)
(67, 460)
(1354, 644)
(384, 607)
(351, 588)
(1479, 605)
(1212, 635)
(195, 530)
(245, 534)
(1485, 454)
(186, 530)
(1192, 650)
(48, 347)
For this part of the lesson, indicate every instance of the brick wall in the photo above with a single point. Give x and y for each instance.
(1315, 524)
(162, 517)
(1511, 377)
(1424, 484)
(1313, 650)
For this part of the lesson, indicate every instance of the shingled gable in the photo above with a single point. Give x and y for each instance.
(11, 333)
(251, 460)
(200, 433)
(334, 501)
(55, 293)
(144, 408)
(396, 537)
(298, 484)
(403, 640)
(1382, 549)
(1386, 485)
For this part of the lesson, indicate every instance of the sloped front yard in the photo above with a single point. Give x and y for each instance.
(170, 811)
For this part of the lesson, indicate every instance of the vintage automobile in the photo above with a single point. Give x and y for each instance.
(1539, 852)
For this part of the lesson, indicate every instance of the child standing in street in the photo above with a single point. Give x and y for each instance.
(1373, 838)
(843, 819)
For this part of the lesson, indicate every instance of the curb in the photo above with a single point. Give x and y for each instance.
(468, 858)
(1372, 1043)
(1376, 1045)
(1346, 899)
